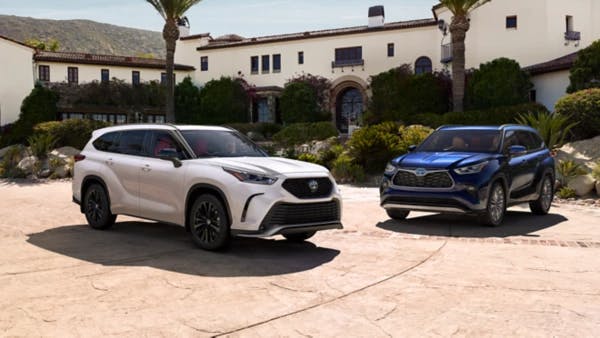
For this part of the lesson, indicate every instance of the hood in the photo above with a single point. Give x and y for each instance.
(267, 165)
(441, 160)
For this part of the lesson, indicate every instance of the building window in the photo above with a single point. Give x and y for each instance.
(569, 22)
(423, 65)
(135, 77)
(276, 63)
(265, 63)
(204, 64)
(390, 50)
(73, 75)
(163, 78)
(351, 56)
(300, 58)
(511, 21)
(104, 75)
(533, 95)
(44, 73)
(156, 118)
(254, 65)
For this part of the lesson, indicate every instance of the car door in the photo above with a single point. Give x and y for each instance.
(517, 164)
(161, 183)
(125, 164)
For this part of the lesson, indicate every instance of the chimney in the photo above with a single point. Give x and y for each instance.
(376, 16)
(184, 27)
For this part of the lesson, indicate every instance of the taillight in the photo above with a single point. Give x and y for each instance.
(79, 157)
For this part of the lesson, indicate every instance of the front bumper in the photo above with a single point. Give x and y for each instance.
(264, 211)
(460, 199)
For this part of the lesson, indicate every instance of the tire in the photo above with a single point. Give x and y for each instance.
(397, 214)
(496, 206)
(542, 205)
(209, 224)
(97, 208)
(299, 237)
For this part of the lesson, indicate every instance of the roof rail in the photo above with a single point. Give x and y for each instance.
(511, 125)
(449, 125)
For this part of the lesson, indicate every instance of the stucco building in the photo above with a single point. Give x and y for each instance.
(542, 35)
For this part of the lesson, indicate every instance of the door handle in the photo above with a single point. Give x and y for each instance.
(109, 161)
(146, 168)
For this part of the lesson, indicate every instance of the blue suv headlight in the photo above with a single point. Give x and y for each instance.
(471, 169)
(248, 177)
(390, 168)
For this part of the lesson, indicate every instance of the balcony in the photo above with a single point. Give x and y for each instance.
(446, 53)
(572, 36)
(347, 63)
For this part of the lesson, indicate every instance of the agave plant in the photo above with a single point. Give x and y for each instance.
(553, 128)
(41, 144)
(568, 170)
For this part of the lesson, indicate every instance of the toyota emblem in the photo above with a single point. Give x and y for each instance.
(420, 172)
(313, 186)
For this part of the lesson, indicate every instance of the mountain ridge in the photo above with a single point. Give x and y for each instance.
(85, 36)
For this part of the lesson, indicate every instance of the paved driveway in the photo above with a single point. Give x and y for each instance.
(426, 276)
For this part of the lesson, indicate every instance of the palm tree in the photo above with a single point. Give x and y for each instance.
(171, 11)
(458, 29)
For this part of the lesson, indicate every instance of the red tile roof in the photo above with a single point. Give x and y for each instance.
(195, 36)
(561, 63)
(105, 60)
(319, 34)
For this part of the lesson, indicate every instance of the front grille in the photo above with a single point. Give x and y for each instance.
(292, 214)
(438, 179)
(300, 187)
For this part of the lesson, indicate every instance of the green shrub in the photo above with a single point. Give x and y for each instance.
(583, 107)
(38, 106)
(307, 157)
(494, 116)
(373, 146)
(73, 133)
(187, 102)
(566, 192)
(399, 94)
(585, 72)
(498, 83)
(344, 170)
(9, 163)
(224, 101)
(596, 172)
(41, 144)
(267, 130)
(553, 128)
(567, 170)
(300, 133)
(299, 104)
(327, 156)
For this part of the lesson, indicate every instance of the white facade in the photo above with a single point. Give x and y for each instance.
(16, 78)
(528, 31)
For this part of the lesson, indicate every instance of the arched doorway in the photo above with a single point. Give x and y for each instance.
(349, 108)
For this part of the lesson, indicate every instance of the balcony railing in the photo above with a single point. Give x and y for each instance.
(446, 53)
(572, 36)
(347, 63)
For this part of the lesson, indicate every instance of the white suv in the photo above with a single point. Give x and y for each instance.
(213, 181)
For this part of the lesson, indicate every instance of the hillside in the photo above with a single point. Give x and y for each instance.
(85, 36)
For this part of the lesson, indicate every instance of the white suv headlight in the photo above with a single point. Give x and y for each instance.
(249, 177)
(471, 169)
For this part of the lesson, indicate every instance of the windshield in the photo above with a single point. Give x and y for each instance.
(469, 141)
(220, 143)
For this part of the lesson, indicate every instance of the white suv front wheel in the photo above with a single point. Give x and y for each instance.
(208, 223)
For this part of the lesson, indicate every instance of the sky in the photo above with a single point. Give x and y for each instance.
(243, 17)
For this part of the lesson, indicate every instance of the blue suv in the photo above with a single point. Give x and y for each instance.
(471, 170)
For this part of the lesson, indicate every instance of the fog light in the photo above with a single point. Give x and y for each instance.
(385, 183)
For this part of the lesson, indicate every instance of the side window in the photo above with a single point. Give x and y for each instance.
(107, 142)
(526, 140)
(132, 142)
(163, 143)
(510, 139)
(538, 143)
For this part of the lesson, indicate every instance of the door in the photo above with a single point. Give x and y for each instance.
(349, 109)
(161, 183)
(522, 167)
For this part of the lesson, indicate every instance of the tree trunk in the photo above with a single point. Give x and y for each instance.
(171, 35)
(458, 28)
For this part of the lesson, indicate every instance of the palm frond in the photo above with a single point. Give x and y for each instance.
(172, 9)
(462, 7)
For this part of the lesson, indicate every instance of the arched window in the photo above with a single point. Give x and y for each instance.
(423, 65)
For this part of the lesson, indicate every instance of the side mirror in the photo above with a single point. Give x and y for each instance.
(516, 150)
(412, 148)
(169, 154)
